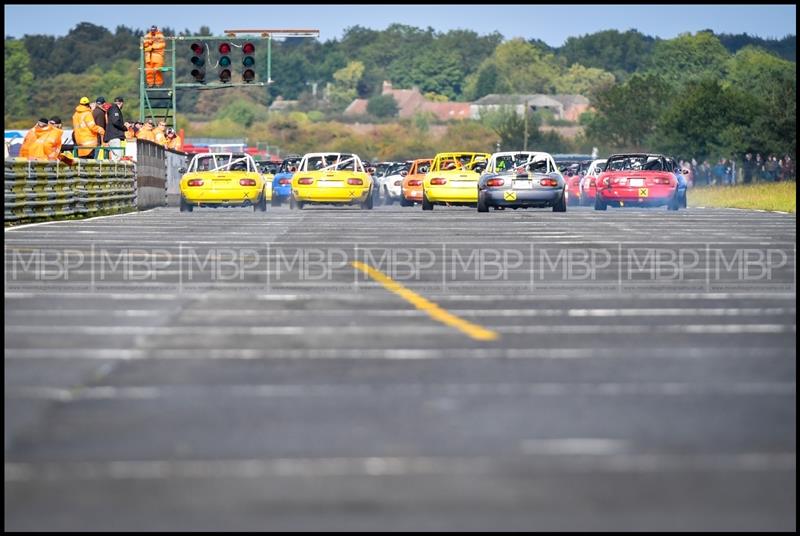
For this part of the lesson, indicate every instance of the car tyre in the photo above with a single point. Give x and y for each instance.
(368, 203)
(483, 206)
(426, 205)
(561, 204)
(261, 204)
(185, 207)
(599, 204)
(405, 202)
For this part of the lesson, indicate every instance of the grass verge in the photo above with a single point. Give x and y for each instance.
(773, 196)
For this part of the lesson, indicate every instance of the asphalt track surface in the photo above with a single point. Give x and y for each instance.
(225, 369)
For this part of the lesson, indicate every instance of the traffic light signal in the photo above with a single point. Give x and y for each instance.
(224, 62)
(249, 50)
(198, 62)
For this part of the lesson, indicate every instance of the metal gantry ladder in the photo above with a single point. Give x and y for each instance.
(159, 103)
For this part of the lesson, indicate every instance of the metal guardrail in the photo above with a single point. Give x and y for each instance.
(36, 190)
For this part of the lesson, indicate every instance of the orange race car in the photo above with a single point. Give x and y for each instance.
(412, 183)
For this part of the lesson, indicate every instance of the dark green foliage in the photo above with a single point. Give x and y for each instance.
(382, 106)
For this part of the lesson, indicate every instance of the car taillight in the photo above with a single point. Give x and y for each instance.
(305, 180)
(415, 182)
(619, 180)
(355, 182)
(591, 182)
(195, 182)
(495, 182)
(247, 182)
(661, 180)
(548, 182)
(285, 181)
(438, 182)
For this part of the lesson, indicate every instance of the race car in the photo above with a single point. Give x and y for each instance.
(412, 182)
(223, 180)
(521, 179)
(282, 181)
(639, 180)
(331, 178)
(390, 184)
(573, 167)
(453, 179)
(588, 185)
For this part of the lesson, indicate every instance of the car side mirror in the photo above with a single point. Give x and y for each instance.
(182, 170)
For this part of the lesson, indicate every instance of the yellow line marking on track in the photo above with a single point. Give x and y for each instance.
(434, 310)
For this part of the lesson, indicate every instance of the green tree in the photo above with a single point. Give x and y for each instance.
(706, 121)
(627, 114)
(382, 106)
(18, 79)
(688, 57)
(344, 89)
(617, 52)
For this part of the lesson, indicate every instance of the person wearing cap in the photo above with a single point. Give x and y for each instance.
(146, 132)
(154, 45)
(85, 130)
(28, 143)
(52, 143)
(115, 128)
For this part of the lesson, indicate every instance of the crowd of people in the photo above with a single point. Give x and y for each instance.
(727, 171)
(99, 131)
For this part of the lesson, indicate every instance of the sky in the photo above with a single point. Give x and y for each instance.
(550, 23)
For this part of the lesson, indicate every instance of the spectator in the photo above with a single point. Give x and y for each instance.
(788, 169)
(130, 131)
(100, 119)
(115, 131)
(154, 46)
(748, 167)
(39, 129)
(704, 173)
(173, 140)
(771, 168)
(52, 144)
(759, 171)
(720, 172)
(159, 133)
(146, 132)
(85, 130)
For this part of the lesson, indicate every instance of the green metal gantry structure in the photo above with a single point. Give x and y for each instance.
(160, 103)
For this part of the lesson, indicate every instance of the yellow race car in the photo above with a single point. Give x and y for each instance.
(331, 178)
(224, 180)
(453, 179)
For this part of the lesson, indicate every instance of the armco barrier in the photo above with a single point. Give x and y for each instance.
(36, 190)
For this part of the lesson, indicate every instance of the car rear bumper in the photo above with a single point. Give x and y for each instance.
(238, 196)
(445, 194)
(533, 197)
(643, 195)
(334, 194)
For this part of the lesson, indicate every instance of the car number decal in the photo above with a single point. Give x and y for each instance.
(510, 195)
(642, 192)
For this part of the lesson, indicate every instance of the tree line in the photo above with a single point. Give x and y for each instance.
(706, 92)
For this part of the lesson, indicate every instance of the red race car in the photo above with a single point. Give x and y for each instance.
(639, 180)
(573, 167)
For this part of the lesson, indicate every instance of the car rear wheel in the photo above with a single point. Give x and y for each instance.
(368, 203)
(674, 203)
(276, 202)
(426, 205)
(185, 207)
(483, 206)
(561, 204)
(405, 202)
(599, 204)
(261, 205)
